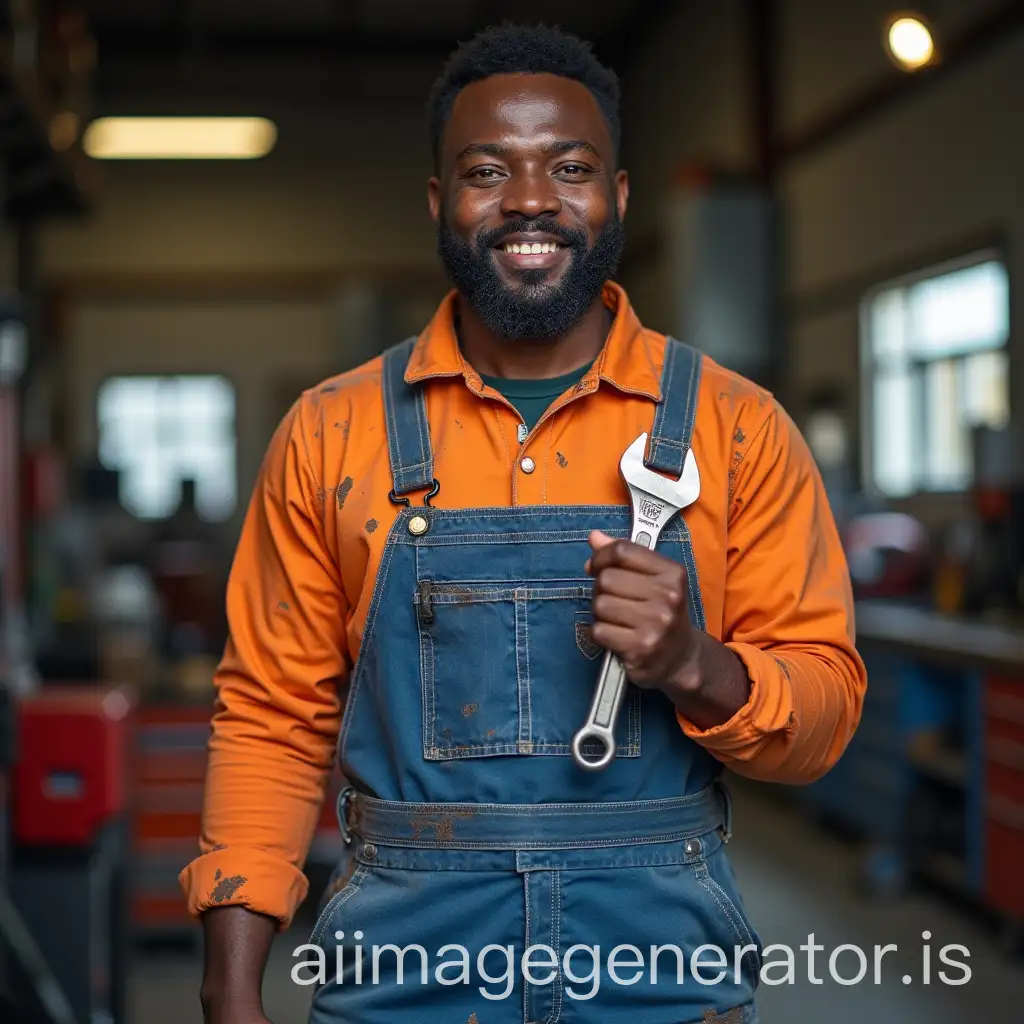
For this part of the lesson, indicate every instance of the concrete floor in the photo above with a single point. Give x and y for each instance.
(797, 880)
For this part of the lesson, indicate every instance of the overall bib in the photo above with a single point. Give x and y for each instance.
(471, 833)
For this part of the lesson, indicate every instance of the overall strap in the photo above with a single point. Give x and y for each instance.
(673, 421)
(405, 412)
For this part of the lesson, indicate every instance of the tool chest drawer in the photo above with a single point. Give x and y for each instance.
(1003, 747)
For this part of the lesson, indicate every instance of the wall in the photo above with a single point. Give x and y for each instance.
(684, 99)
(346, 183)
(933, 176)
(269, 349)
(160, 277)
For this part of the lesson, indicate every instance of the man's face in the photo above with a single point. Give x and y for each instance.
(527, 162)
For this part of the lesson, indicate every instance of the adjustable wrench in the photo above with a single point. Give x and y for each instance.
(655, 499)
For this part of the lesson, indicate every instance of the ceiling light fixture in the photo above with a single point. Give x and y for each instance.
(179, 138)
(909, 42)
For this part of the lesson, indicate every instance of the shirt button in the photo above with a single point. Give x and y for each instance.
(418, 525)
(528, 465)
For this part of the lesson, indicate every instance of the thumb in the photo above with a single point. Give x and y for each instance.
(598, 539)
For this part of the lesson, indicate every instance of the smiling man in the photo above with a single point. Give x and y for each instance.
(436, 558)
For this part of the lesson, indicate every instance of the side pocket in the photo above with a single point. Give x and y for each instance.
(336, 902)
(736, 920)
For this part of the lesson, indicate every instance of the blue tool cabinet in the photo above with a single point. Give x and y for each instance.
(933, 780)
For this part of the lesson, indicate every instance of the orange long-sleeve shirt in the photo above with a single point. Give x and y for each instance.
(771, 570)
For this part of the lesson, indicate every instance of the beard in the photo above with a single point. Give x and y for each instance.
(531, 310)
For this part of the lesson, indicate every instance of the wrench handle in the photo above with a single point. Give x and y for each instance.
(612, 683)
(604, 710)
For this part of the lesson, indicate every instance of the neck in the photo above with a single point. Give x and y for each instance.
(494, 356)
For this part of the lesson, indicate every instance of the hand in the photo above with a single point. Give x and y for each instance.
(641, 613)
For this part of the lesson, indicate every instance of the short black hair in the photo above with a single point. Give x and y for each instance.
(522, 49)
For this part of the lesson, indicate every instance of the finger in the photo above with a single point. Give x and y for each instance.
(624, 583)
(625, 554)
(619, 611)
(612, 636)
(599, 539)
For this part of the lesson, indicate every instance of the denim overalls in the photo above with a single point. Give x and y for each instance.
(472, 834)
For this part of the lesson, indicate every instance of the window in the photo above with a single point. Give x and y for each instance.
(161, 431)
(935, 368)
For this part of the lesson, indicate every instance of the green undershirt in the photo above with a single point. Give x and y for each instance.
(532, 398)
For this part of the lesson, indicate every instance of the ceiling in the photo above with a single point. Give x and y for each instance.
(364, 29)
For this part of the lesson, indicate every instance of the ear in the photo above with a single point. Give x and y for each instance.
(434, 198)
(621, 192)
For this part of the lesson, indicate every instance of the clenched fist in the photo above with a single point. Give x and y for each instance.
(641, 612)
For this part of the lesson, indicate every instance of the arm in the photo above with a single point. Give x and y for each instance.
(788, 623)
(278, 707)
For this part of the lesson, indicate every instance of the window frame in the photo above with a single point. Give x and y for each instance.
(868, 362)
(163, 376)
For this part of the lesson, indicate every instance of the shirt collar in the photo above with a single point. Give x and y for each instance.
(626, 361)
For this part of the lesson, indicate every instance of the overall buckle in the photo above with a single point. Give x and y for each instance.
(726, 810)
(345, 798)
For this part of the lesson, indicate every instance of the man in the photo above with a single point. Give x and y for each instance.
(434, 560)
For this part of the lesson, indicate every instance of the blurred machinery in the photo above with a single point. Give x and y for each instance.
(888, 555)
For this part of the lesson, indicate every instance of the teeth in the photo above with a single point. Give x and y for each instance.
(533, 249)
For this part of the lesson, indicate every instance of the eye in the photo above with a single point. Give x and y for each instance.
(485, 173)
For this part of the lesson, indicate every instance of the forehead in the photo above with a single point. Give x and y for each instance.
(521, 110)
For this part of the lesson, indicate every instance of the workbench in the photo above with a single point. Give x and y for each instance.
(934, 776)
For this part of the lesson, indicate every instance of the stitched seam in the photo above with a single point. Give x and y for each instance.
(547, 461)
(423, 427)
(394, 442)
(337, 902)
(521, 723)
(368, 631)
(543, 845)
(635, 714)
(556, 929)
(609, 807)
(692, 583)
(509, 461)
(743, 454)
(728, 908)
(527, 987)
(529, 679)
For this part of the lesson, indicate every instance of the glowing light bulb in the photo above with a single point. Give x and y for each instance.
(910, 42)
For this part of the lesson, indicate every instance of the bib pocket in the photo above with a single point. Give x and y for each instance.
(510, 668)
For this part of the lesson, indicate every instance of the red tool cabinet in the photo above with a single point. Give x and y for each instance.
(168, 772)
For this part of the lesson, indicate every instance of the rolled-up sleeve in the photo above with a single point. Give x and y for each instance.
(788, 616)
(278, 692)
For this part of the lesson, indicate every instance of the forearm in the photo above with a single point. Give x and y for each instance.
(803, 707)
(237, 943)
(712, 686)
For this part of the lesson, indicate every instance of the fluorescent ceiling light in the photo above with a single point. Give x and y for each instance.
(179, 138)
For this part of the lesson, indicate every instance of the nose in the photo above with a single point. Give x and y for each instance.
(531, 195)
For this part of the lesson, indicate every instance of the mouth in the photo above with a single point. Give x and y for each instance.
(524, 252)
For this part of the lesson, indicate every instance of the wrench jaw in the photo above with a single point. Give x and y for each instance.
(679, 493)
